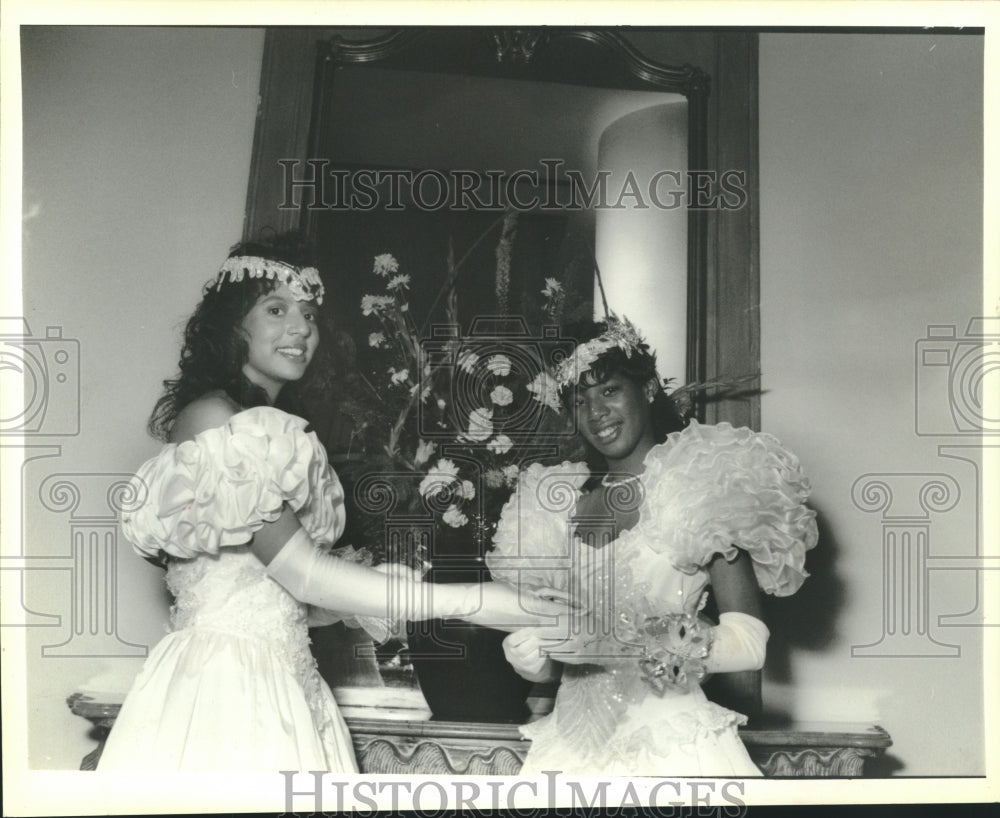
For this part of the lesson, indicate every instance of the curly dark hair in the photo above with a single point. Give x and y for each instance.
(215, 346)
(639, 367)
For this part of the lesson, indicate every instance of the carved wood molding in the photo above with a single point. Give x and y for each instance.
(521, 46)
(102, 715)
(518, 44)
(846, 762)
(387, 757)
(686, 79)
(456, 748)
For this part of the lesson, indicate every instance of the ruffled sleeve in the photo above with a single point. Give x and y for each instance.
(532, 545)
(219, 488)
(714, 489)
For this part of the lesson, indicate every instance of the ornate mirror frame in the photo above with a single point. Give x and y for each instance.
(715, 71)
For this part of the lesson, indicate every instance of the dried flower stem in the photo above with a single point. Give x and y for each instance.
(455, 270)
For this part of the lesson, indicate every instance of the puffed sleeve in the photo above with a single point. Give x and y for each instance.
(532, 546)
(219, 488)
(714, 489)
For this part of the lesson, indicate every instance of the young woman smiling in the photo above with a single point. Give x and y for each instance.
(633, 538)
(243, 508)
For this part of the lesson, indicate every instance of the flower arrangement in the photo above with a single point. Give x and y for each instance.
(454, 416)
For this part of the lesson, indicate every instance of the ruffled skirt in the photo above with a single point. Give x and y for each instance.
(211, 701)
(674, 736)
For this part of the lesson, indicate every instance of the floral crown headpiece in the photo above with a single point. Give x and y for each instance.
(620, 333)
(304, 283)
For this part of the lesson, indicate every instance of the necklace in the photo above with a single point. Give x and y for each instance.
(615, 483)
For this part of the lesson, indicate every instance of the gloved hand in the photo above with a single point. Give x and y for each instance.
(378, 628)
(317, 578)
(739, 642)
(523, 649)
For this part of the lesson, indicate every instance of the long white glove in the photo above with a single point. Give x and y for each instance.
(523, 649)
(317, 578)
(739, 643)
(379, 629)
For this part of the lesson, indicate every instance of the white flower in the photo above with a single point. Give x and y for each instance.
(376, 339)
(441, 404)
(384, 264)
(405, 308)
(546, 390)
(398, 377)
(374, 303)
(510, 474)
(424, 451)
(298, 289)
(399, 281)
(480, 424)
(454, 517)
(502, 396)
(467, 360)
(494, 478)
(441, 476)
(499, 365)
(500, 444)
(551, 287)
(468, 490)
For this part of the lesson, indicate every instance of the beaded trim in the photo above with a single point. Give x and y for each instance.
(620, 333)
(608, 482)
(304, 283)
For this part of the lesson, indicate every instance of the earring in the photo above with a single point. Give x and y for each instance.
(651, 398)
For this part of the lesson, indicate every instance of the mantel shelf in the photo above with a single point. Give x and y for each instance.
(472, 748)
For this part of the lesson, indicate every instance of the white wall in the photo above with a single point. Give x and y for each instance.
(871, 230)
(136, 157)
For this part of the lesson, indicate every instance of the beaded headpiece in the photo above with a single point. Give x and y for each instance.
(304, 283)
(620, 333)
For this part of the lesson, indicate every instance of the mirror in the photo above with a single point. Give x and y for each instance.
(415, 141)
(429, 131)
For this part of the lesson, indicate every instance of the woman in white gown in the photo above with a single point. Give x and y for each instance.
(634, 537)
(243, 506)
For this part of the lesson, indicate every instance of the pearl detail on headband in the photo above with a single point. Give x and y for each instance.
(304, 283)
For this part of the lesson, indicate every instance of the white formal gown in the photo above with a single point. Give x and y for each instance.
(707, 490)
(233, 686)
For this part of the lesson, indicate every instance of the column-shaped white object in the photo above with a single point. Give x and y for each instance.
(641, 229)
